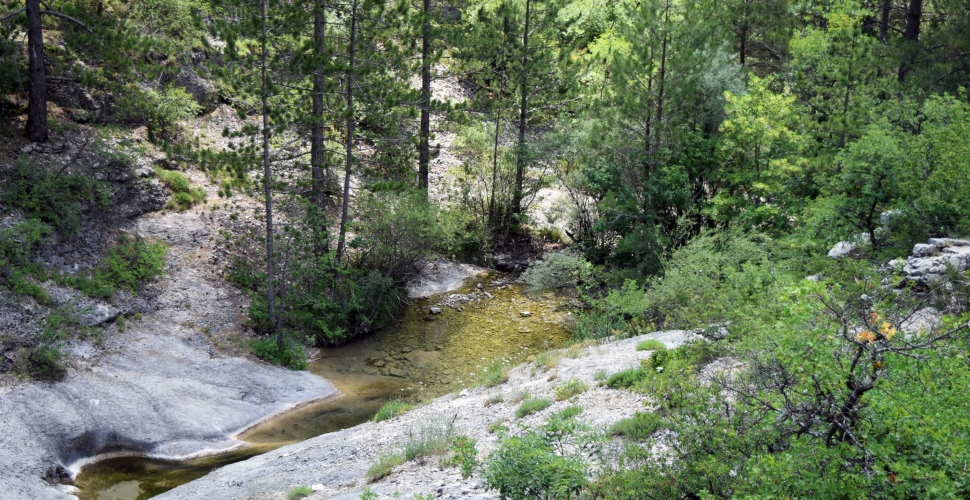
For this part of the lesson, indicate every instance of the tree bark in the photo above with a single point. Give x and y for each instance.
(914, 16)
(37, 78)
(661, 80)
(268, 181)
(884, 22)
(523, 102)
(424, 152)
(318, 159)
(350, 132)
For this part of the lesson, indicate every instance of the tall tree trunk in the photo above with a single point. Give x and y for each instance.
(523, 102)
(37, 79)
(424, 153)
(318, 158)
(661, 80)
(498, 122)
(884, 22)
(268, 182)
(742, 41)
(914, 16)
(350, 132)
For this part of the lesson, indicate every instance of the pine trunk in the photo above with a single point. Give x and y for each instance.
(341, 243)
(318, 166)
(37, 78)
(268, 181)
(914, 16)
(424, 153)
(520, 159)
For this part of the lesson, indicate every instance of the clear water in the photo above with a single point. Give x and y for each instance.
(421, 357)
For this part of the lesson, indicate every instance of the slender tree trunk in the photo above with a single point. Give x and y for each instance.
(268, 182)
(661, 80)
(884, 22)
(350, 132)
(520, 159)
(498, 122)
(914, 16)
(424, 153)
(37, 78)
(318, 158)
(742, 41)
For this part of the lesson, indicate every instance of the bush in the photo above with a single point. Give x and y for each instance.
(382, 467)
(638, 427)
(463, 454)
(291, 355)
(651, 345)
(626, 378)
(390, 410)
(17, 241)
(395, 233)
(430, 440)
(53, 197)
(160, 109)
(536, 465)
(184, 196)
(568, 412)
(558, 271)
(298, 493)
(532, 405)
(131, 262)
(570, 389)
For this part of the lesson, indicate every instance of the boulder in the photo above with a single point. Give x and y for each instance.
(850, 248)
(931, 261)
(203, 91)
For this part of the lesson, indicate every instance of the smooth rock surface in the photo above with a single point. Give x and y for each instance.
(442, 276)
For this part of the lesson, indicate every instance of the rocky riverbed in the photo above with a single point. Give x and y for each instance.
(335, 464)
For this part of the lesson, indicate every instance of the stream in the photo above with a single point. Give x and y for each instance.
(421, 357)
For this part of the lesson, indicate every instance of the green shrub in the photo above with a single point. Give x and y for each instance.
(570, 389)
(558, 271)
(17, 241)
(462, 454)
(568, 412)
(532, 405)
(391, 409)
(161, 109)
(382, 467)
(52, 197)
(184, 196)
(537, 466)
(638, 427)
(651, 345)
(22, 286)
(493, 374)
(430, 440)
(131, 262)
(291, 355)
(298, 493)
(626, 378)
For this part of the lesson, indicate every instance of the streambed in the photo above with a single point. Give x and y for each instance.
(423, 356)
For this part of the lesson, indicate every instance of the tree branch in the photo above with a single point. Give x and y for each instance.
(66, 18)
(14, 13)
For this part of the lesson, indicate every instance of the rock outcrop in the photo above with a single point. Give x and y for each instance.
(931, 261)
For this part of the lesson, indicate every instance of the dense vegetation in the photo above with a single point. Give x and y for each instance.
(709, 153)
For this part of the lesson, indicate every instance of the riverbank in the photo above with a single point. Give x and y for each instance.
(335, 464)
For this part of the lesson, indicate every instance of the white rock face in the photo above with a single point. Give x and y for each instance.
(930, 261)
